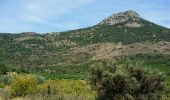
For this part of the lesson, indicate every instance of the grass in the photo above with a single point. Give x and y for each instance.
(74, 71)
(59, 76)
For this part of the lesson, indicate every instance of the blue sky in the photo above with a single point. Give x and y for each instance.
(60, 15)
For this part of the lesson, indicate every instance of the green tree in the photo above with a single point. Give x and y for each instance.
(3, 69)
(114, 82)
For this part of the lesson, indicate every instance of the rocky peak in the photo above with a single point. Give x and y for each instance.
(129, 18)
(130, 13)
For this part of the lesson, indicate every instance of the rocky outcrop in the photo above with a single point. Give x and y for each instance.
(128, 18)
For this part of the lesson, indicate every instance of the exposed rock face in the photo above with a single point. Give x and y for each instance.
(129, 18)
(133, 24)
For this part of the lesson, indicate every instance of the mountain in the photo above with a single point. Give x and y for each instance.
(122, 34)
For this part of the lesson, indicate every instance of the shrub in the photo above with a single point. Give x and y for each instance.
(40, 79)
(126, 82)
(2, 85)
(3, 69)
(23, 85)
(68, 90)
(5, 80)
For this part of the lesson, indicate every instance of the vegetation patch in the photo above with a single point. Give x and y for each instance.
(114, 82)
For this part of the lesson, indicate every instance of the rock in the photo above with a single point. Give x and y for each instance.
(129, 18)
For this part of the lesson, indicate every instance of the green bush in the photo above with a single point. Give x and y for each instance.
(23, 85)
(62, 89)
(5, 80)
(2, 85)
(40, 79)
(127, 82)
(3, 69)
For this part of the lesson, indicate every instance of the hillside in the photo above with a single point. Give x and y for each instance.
(121, 34)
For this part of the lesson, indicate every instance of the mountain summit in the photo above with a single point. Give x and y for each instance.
(128, 18)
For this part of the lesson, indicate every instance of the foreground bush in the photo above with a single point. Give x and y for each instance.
(23, 85)
(5, 79)
(68, 89)
(2, 85)
(60, 90)
(126, 83)
(3, 69)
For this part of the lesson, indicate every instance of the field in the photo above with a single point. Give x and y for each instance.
(72, 81)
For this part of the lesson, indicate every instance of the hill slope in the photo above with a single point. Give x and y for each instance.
(121, 34)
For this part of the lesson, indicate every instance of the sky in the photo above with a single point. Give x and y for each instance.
(43, 16)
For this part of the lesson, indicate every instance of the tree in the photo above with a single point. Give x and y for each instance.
(114, 82)
(3, 69)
